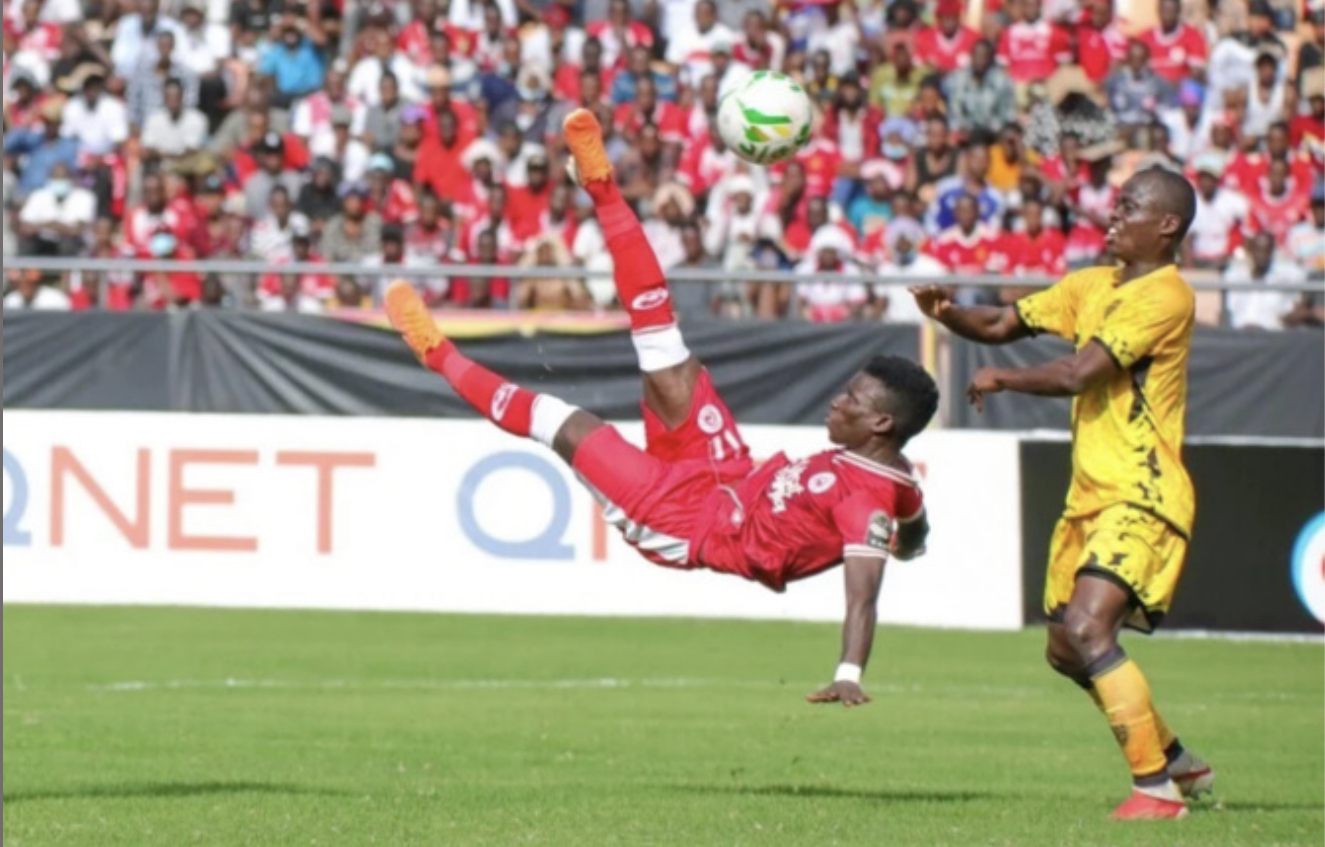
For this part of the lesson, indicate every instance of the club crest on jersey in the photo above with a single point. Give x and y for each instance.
(710, 420)
(501, 400)
(821, 482)
(785, 485)
(649, 300)
(880, 534)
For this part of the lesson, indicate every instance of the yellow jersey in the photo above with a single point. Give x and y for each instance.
(1126, 431)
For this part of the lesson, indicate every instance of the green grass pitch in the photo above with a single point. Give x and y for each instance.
(179, 727)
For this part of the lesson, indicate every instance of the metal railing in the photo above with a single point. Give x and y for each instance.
(1200, 280)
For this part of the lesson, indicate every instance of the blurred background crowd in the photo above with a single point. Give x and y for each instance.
(951, 138)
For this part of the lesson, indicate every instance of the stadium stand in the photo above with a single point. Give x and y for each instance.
(427, 132)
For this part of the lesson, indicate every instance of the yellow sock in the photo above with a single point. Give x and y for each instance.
(1124, 698)
(1166, 736)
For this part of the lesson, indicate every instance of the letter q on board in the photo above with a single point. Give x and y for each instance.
(16, 502)
(548, 542)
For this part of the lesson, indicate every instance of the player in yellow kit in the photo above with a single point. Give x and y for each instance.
(1119, 548)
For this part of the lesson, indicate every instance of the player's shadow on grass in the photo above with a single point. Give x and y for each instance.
(819, 792)
(128, 791)
(1239, 806)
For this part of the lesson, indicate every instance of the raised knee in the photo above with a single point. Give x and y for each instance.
(1062, 662)
(1088, 638)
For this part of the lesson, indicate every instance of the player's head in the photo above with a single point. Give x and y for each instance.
(891, 399)
(1152, 216)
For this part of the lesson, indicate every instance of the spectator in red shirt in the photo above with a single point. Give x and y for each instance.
(174, 288)
(1278, 204)
(630, 118)
(393, 199)
(1033, 48)
(152, 217)
(432, 237)
(1101, 45)
(619, 34)
(947, 46)
(967, 246)
(1176, 49)
(529, 202)
(569, 80)
(1035, 250)
(440, 101)
(438, 165)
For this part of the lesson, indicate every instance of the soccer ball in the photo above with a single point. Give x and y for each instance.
(767, 119)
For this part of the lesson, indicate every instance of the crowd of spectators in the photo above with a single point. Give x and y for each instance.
(949, 140)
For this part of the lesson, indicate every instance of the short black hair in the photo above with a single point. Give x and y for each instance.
(1175, 194)
(913, 396)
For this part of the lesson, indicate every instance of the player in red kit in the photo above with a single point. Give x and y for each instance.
(693, 498)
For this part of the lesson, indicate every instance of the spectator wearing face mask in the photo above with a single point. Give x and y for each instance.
(56, 218)
(905, 259)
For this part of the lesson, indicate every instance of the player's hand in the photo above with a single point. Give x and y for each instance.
(986, 382)
(847, 693)
(934, 300)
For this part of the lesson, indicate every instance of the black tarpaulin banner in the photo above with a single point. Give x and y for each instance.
(239, 362)
(1252, 384)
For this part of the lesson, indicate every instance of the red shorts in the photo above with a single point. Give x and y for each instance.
(658, 496)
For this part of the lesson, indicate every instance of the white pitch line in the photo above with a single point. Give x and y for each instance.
(606, 683)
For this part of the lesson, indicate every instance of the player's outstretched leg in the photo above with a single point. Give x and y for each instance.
(542, 417)
(1192, 774)
(670, 372)
(1084, 646)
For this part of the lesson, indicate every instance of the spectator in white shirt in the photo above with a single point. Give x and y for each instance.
(1306, 241)
(56, 216)
(29, 293)
(366, 77)
(1220, 214)
(903, 239)
(738, 220)
(292, 298)
(201, 46)
(825, 300)
(312, 116)
(1269, 309)
(173, 130)
(96, 120)
(693, 48)
(274, 234)
(338, 145)
(135, 37)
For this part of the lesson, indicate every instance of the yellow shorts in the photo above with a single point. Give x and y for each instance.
(1124, 544)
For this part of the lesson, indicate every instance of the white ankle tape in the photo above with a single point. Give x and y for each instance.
(548, 416)
(660, 349)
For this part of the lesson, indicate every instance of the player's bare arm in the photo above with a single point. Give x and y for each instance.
(864, 577)
(1064, 377)
(985, 324)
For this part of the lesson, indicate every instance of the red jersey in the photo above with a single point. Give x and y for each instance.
(1033, 51)
(1173, 54)
(669, 118)
(399, 206)
(1038, 255)
(965, 253)
(820, 158)
(935, 50)
(524, 208)
(1086, 240)
(791, 520)
(1277, 215)
(1099, 50)
(1307, 134)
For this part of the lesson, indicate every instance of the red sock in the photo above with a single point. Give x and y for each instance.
(640, 284)
(504, 403)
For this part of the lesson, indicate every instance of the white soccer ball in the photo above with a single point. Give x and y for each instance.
(766, 119)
